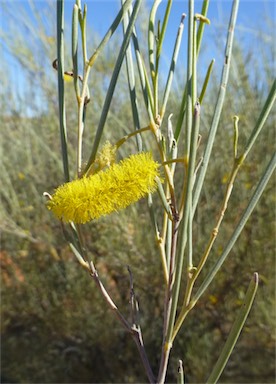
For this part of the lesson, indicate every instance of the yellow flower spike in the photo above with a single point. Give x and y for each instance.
(105, 158)
(107, 191)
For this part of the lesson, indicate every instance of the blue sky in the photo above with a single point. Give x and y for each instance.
(252, 16)
(252, 20)
(101, 12)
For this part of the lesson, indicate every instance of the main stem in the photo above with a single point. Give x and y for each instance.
(166, 347)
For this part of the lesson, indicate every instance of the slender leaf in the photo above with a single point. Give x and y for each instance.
(235, 331)
(219, 105)
(112, 83)
(243, 219)
(61, 97)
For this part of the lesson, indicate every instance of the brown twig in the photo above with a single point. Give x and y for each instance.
(134, 329)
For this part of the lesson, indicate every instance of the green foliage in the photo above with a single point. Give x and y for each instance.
(55, 325)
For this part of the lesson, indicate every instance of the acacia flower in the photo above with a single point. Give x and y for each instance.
(105, 158)
(107, 191)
